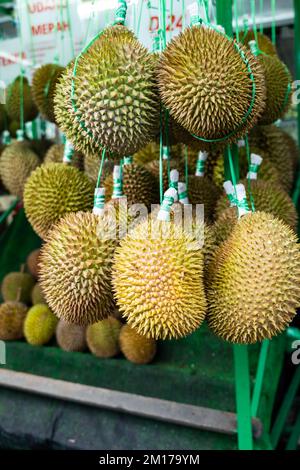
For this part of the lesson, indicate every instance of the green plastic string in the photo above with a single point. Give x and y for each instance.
(186, 167)
(161, 181)
(247, 146)
(253, 14)
(261, 12)
(101, 168)
(206, 11)
(236, 16)
(120, 15)
(273, 6)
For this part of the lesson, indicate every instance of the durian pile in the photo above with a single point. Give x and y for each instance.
(222, 99)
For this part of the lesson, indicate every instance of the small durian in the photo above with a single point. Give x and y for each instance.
(17, 286)
(278, 82)
(264, 42)
(254, 291)
(12, 316)
(135, 347)
(158, 280)
(269, 198)
(37, 296)
(202, 190)
(33, 263)
(204, 82)
(53, 191)
(70, 337)
(75, 268)
(44, 83)
(17, 162)
(39, 325)
(13, 101)
(55, 154)
(103, 337)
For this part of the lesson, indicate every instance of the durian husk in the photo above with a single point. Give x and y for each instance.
(17, 162)
(205, 85)
(158, 280)
(277, 80)
(53, 191)
(70, 337)
(17, 286)
(135, 347)
(75, 268)
(39, 325)
(13, 101)
(269, 198)
(254, 292)
(202, 190)
(103, 337)
(44, 83)
(12, 316)
(55, 154)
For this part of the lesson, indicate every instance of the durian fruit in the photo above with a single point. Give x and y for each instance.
(151, 152)
(115, 95)
(203, 190)
(224, 225)
(103, 337)
(92, 165)
(139, 185)
(17, 286)
(33, 263)
(13, 101)
(37, 296)
(55, 154)
(264, 42)
(158, 280)
(255, 290)
(271, 139)
(39, 325)
(269, 198)
(205, 84)
(75, 268)
(12, 316)
(70, 337)
(277, 80)
(135, 347)
(44, 82)
(17, 162)
(55, 190)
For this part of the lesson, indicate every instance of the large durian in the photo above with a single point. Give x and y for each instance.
(115, 94)
(13, 101)
(202, 190)
(269, 198)
(158, 280)
(44, 82)
(254, 292)
(17, 162)
(278, 80)
(55, 154)
(135, 347)
(12, 316)
(206, 85)
(75, 268)
(52, 191)
(103, 337)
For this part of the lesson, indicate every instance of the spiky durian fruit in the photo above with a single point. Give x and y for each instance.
(139, 185)
(203, 190)
(269, 198)
(264, 42)
(75, 268)
(17, 286)
(158, 280)
(17, 162)
(33, 263)
(55, 154)
(55, 190)
(12, 316)
(271, 139)
(205, 84)
(293, 149)
(70, 337)
(116, 78)
(39, 325)
(255, 290)
(135, 347)
(13, 101)
(278, 80)
(103, 337)
(44, 82)
(92, 165)
(224, 225)
(37, 296)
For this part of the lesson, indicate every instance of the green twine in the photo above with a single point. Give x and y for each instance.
(236, 16)
(249, 166)
(70, 28)
(186, 167)
(101, 168)
(273, 6)
(253, 14)
(120, 15)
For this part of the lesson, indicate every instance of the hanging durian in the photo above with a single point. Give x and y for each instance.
(44, 82)
(55, 154)
(52, 191)
(264, 42)
(254, 292)
(14, 94)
